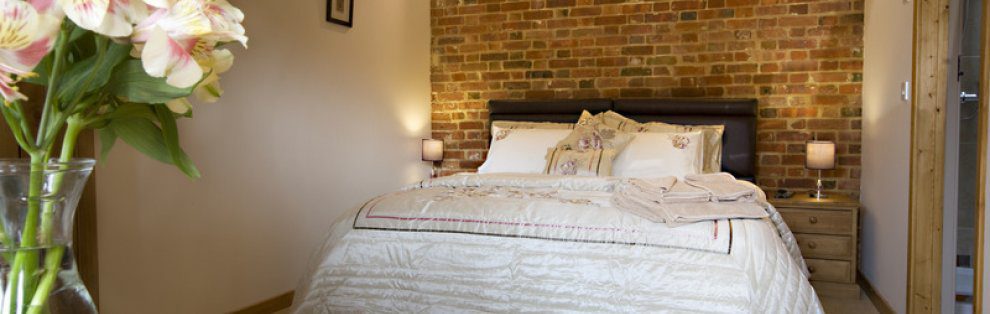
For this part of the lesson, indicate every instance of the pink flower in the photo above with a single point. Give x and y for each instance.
(28, 30)
(178, 42)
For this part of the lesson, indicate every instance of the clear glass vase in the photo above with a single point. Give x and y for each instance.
(37, 210)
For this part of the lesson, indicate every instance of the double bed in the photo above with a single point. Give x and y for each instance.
(526, 242)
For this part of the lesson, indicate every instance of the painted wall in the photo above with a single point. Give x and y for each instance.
(316, 119)
(886, 146)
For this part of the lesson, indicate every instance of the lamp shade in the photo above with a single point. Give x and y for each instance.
(432, 150)
(820, 155)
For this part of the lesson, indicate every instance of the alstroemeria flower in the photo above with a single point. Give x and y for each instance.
(28, 30)
(112, 18)
(174, 41)
(209, 89)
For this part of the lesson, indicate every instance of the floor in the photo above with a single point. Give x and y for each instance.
(835, 305)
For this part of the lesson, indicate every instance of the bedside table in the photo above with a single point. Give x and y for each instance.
(827, 231)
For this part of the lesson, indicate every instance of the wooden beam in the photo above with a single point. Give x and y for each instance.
(275, 304)
(930, 76)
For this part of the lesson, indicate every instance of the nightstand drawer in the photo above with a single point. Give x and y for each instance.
(818, 221)
(825, 246)
(829, 270)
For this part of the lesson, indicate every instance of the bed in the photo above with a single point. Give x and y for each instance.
(508, 242)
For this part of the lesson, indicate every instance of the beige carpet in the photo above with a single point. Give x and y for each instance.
(848, 305)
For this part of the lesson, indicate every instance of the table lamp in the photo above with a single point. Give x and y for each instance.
(820, 156)
(433, 152)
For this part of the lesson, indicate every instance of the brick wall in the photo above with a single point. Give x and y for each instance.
(801, 58)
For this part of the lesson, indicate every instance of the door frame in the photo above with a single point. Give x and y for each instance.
(928, 103)
(928, 121)
(981, 185)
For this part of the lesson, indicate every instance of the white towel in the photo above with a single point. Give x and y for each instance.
(697, 198)
(722, 186)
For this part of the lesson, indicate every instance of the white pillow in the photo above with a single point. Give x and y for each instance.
(521, 150)
(654, 155)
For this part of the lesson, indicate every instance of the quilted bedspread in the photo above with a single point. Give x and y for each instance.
(535, 243)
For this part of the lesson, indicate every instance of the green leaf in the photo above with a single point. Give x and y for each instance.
(171, 133)
(144, 136)
(132, 110)
(107, 138)
(91, 73)
(132, 83)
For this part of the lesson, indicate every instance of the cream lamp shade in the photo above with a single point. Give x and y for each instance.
(820, 155)
(432, 150)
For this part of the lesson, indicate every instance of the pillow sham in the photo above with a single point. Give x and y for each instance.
(591, 134)
(521, 150)
(498, 126)
(655, 155)
(587, 163)
(712, 148)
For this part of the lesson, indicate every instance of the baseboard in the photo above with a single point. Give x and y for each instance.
(275, 304)
(878, 302)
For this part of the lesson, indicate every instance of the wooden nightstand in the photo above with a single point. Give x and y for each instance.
(827, 231)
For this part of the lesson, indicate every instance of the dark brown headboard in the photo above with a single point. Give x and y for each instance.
(738, 116)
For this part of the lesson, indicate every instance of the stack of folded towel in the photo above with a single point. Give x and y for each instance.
(696, 198)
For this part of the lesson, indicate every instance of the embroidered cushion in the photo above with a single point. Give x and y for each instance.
(521, 150)
(591, 134)
(588, 163)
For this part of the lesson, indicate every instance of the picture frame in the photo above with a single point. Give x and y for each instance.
(341, 12)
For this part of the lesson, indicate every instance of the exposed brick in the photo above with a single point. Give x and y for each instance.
(801, 59)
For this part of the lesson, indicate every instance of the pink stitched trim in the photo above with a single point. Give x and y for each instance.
(525, 224)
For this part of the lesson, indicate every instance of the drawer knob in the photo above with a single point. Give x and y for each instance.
(811, 269)
(812, 245)
(813, 219)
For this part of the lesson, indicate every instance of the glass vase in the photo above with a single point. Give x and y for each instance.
(37, 267)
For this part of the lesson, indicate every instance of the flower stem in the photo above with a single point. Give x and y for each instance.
(54, 252)
(61, 46)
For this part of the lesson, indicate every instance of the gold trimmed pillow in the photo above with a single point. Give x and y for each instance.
(712, 149)
(587, 163)
(500, 128)
(591, 134)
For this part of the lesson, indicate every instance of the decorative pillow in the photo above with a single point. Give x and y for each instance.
(587, 163)
(591, 134)
(712, 149)
(500, 126)
(655, 155)
(521, 150)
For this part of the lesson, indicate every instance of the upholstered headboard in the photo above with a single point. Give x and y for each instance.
(738, 116)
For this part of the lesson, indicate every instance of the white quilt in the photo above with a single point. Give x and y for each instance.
(534, 243)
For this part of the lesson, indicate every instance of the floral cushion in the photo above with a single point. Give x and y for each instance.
(590, 133)
(712, 149)
(587, 163)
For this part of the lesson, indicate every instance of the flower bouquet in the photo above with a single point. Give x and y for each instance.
(122, 67)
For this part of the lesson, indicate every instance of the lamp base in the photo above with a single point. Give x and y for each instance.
(435, 170)
(817, 194)
(819, 191)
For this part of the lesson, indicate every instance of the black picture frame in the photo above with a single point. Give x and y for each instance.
(350, 12)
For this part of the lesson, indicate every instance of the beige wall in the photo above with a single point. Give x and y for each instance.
(886, 146)
(316, 119)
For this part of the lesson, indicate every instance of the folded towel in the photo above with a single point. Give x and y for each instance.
(722, 186)
(685, 213)
(642, 196)
(682, 192)
(697, 198)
